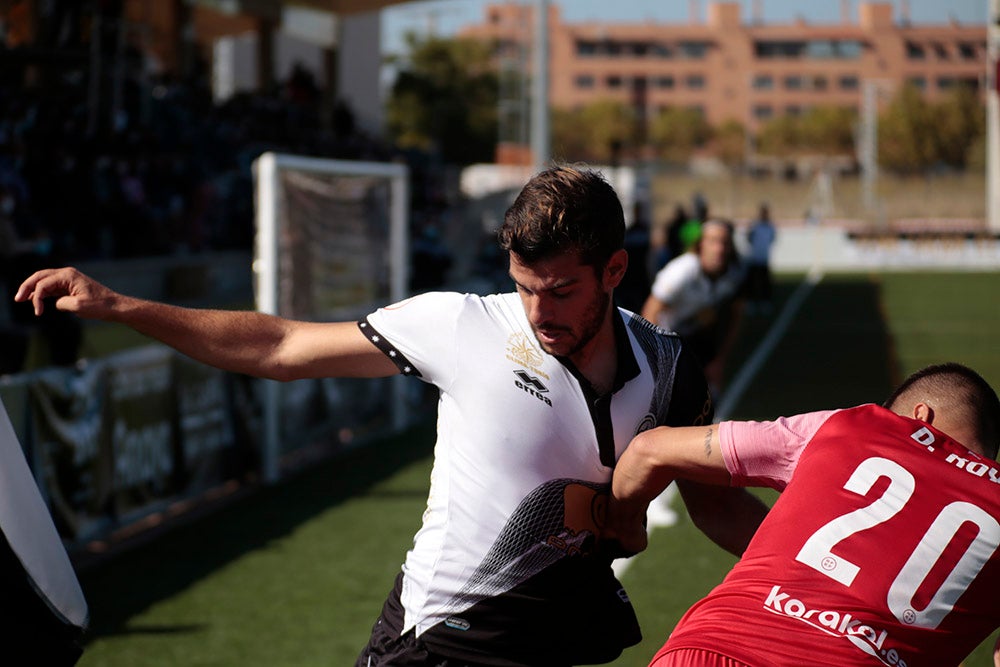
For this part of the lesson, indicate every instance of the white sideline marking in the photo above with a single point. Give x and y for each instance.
(660, 513)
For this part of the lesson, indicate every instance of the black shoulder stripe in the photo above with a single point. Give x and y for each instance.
(387, 348)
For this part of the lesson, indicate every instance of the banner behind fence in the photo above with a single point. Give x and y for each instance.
(127, 435)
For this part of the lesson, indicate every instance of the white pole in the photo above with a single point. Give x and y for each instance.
(993, 119)
(540, 142)
(266, 272)
(398, 288)
(868, 142)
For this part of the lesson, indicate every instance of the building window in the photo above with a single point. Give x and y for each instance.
(763, 111)
(848, 49)
(779, 49)
(584, 81)
(914, 51)
(693, 50)
(762, 82)
(940, 51)
(614, 81)
(967, 51)
(793, 110)
(586, 49)
(821, 48)
(819, 83)
(793, 82)
(666, 82)
(824, 49)
(694, 81)
(848, 82)
(951, 82)
(660, 50)
(918, 82)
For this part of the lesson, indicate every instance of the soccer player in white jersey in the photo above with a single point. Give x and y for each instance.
(883, 548)
(699, 295)
(540, 390)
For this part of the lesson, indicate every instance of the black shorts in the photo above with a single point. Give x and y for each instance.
(388, 648)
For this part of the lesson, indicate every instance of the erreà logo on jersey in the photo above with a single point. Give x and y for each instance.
(531, 385)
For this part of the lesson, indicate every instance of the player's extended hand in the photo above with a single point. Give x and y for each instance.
(625, 529)
(73, 292)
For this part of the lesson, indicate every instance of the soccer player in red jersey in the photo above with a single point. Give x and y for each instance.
(882, 548)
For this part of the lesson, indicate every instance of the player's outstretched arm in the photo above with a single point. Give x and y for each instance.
(239, 341)
(661, 455)
(728, 516)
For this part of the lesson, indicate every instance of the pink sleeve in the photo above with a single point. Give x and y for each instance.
(766, 453)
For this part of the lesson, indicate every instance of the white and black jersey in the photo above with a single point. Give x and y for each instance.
(503, 570)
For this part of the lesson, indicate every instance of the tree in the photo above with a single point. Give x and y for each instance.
(729, 143)
(596, 133)
(570, 136)
(445, 99)
(779, 136)
(827, 129)
(677, 132)
(907, 135)
(960, 120)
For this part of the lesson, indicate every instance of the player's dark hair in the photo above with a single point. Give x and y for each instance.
(967, 392)
(563, 210)
(732, 255)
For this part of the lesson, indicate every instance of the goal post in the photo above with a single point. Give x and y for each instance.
(331, 243)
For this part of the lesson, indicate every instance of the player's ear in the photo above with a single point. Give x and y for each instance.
(614, 271)
(923, 412)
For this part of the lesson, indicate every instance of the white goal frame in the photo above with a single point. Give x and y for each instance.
(266, 270)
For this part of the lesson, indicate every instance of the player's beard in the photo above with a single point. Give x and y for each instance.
(584, 332)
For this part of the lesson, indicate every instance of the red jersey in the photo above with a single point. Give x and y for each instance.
(882, 548)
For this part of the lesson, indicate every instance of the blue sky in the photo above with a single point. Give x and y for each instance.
(444, 17)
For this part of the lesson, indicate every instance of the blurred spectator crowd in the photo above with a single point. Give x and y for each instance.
(170, 172)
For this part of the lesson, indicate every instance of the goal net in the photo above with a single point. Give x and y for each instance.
(331, 245)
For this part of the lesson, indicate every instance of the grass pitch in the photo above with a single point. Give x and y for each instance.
(296, 573)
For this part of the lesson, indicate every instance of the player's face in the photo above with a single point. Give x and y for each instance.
(715, 248)
(566, 302)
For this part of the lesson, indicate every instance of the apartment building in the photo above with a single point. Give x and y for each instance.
(734, 66)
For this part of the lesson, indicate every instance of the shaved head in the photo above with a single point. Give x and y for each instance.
(962, 404)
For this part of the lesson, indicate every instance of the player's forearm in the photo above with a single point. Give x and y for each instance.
(641, 473)
(731, 333)
(237, 341)
(727, 516)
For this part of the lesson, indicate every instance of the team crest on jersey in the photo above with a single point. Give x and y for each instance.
(521, 350)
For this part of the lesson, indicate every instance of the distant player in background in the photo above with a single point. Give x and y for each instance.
(540, 391)
(699, 295)
(883, 548)
(761, 237)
